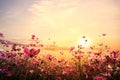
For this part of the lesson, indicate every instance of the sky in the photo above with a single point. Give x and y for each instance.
(62, 21)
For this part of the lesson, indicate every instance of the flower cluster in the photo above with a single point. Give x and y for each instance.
(26, 62)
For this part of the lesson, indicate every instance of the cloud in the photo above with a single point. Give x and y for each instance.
(53, 12)
(53, 6)
(58, 14)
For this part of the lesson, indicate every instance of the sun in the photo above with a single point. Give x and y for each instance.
(84, 41)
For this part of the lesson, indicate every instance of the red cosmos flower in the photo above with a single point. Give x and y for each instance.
(31, 52)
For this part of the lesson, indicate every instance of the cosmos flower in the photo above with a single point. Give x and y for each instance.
(9, 54)
(14, 47)
(84, 37)
(58, 78)
(1, 34)
(72, 48)
(33, 37)
(61, 52)
(31, 52)
(99, 78)
(103, 34)
(49, 56)
(31, 71)
(1, 55)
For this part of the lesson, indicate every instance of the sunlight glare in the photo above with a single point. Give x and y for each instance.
(85, 42)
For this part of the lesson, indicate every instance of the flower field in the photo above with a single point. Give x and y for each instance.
(26, 62)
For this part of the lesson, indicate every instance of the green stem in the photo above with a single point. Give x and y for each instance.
(26, 75)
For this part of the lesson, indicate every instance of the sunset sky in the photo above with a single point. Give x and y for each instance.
(63, 21)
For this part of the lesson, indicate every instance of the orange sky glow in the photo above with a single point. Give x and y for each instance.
(62, 21)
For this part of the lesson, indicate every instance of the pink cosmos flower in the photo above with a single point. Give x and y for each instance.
(49, 56)
(80, 46)
(86, 40)
(64, 72)
(33, 36)
(1, 34)
(84, 37)
(41, 45)
(5, 42)
(58, 78)
(44, 71)
(31, 52)
(37, 38)
(9, 54)
(31, 71)
(32, 45)
(54, 42)
(14, 47)
(114, 54)
(61, 52)
(9, 74)
(71, 49)
(103, 34)
(1, 55)
(99, 78)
